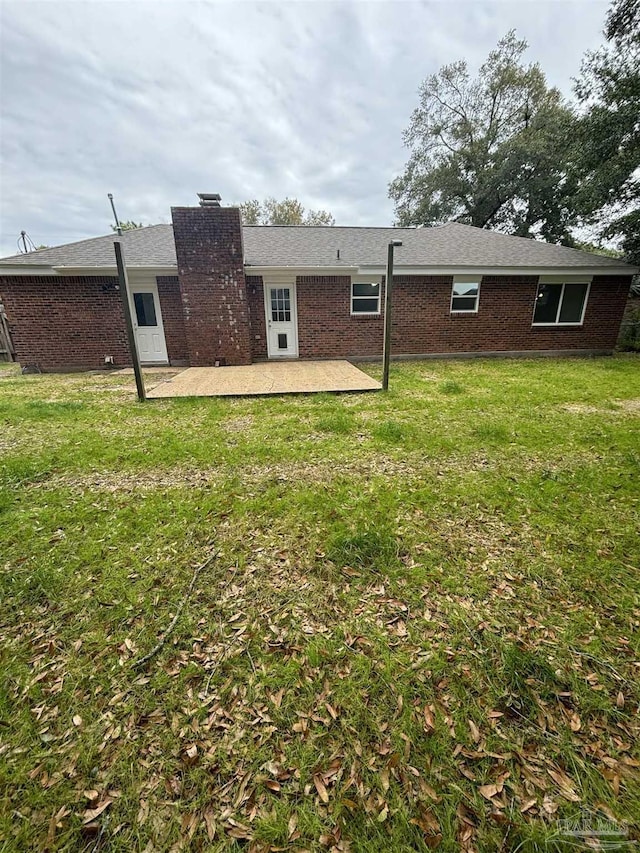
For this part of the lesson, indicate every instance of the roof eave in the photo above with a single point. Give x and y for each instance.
(453, 269)
(24, 269)
(160, 269)
(264, 269)
(60, 270)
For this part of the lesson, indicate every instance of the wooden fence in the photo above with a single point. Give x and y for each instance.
(7, 352)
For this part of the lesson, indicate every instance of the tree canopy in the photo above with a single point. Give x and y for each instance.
(127, 225)
(503, 150)
(486, 150)
(289, 211)
(607, 150)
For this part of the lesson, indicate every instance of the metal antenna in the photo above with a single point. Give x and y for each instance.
(115, 215)
(27, 243)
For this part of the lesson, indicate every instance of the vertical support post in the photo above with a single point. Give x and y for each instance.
(388, 290)
(124, 294)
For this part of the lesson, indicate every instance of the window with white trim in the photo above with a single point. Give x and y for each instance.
(365, 298)
(560, 304)
(465, 295)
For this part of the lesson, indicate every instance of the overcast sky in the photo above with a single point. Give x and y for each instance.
(155, 101)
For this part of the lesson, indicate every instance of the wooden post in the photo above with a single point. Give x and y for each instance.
(6, 346)
(131, 337)
(388, 289)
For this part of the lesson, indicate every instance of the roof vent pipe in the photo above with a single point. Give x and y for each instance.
(209, 199)
(337, 254)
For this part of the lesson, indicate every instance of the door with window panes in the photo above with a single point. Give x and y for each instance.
(147, 324)
(282, 337)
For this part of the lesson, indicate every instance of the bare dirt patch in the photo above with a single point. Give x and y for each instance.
(582, 409)
(409, 469)
(618, 407)
(241, 424)
(632, 406)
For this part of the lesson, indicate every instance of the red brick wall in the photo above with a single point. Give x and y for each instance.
(72, 322)
(255, 297)
(65, 323)
(326, 328)
(214, 295)
(423, 323)
(172, 318)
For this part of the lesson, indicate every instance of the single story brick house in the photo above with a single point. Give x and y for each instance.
(207, 290)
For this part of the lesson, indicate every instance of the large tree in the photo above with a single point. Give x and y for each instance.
(289, 211)
(607, 150)
(488, 150)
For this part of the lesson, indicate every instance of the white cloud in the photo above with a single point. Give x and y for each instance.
(155, 101)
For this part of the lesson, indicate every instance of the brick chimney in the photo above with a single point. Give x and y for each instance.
(209, 250)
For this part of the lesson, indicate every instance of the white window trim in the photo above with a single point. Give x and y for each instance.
(371, 279)
(564, 282)
(465, 279)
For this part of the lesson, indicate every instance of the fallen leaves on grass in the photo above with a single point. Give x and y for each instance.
(92, 814)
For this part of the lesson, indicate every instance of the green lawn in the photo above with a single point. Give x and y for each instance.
(421, 629)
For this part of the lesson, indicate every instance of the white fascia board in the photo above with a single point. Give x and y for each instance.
(97, 271)
(566, 279)
(298, 270)
(566, 272)
(113, 270)
(19, 269)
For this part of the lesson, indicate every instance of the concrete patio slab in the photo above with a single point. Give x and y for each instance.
(283, 377)
(148, 370)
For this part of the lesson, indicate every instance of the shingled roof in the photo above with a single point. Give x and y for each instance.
(453, 245)
(152, 246)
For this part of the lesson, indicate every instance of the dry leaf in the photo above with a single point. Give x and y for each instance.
(384, 778)
(92, 814)
(210, 822)
(565, 785)
(429, 721)
(604, 808)
(491, 790)
(189, 824)
(465, 815)
(429, 791)
(620, 699)
(276, 698)
(143, 811)
(291, 826)
(428, 823)
(321, 789)
(190, 754)
(475, 731)
(77, 720)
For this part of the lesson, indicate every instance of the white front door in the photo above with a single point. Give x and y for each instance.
(282, 322)
(147, 323)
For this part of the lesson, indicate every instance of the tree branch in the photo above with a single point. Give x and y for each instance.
(154, 651)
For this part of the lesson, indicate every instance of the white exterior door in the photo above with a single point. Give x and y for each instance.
(147, 324)
(282, 319)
